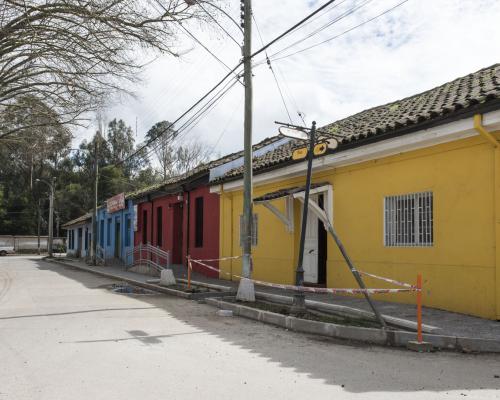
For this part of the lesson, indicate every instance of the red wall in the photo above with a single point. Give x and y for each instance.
(140, 225)
(210, 247)
(171, 240)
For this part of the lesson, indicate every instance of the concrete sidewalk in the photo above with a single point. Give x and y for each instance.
(450, 324)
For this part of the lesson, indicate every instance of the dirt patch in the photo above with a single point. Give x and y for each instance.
(311, 315)
(128, 289)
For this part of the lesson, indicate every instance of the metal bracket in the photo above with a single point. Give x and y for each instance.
(286, 219)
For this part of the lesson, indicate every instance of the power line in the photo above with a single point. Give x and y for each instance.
(302, 21)
(325, 26)
(262, 49)
(182, 115)
(341, 34)
(272, 71)
(225, 127)
(194, 119)
(195, 38)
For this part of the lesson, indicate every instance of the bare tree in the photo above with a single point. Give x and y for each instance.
(162, 147)
(74, 54)
(190, 155)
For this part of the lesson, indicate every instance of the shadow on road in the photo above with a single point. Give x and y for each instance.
(357, 368)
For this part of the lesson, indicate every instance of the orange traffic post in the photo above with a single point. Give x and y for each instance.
(189, 271)
(419, 308)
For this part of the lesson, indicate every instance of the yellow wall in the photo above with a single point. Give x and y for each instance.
(458, 270)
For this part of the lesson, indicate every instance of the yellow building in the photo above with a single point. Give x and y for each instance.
(413, 187)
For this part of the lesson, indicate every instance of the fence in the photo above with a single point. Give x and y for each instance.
(29, 244)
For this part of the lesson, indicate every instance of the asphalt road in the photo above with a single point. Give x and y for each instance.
(65, 336)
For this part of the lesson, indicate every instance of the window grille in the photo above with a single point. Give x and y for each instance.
(409, 220)
(255, 229)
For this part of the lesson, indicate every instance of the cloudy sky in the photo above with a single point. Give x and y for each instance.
(418, 45)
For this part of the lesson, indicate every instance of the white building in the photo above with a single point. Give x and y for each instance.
(79, 235)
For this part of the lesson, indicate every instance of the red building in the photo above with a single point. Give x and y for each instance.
(180, 216)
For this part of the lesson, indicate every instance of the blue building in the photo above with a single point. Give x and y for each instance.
(115, 230)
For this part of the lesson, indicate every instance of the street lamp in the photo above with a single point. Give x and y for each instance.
(305, 134)
(51, 213)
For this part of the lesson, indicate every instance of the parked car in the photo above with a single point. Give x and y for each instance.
(4, 250)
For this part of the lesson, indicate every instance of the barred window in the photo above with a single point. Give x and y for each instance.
(409, 220)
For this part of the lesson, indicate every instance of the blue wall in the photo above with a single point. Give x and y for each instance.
(106, 231)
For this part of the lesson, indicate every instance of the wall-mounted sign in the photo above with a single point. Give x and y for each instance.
(320, 149)
(135, 217)
(115, 203)
(299, 154)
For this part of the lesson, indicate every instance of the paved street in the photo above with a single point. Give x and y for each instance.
(65, 336)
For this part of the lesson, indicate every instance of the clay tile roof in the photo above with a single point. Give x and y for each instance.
(472, 92)
(205, 167)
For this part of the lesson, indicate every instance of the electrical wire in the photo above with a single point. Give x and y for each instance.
(210, 91)
(272, 71)
(196, 39)
(340, 34)
(219, 138)
(338, 18)
(184, 129)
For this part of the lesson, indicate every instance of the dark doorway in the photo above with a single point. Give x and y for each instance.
(159, 226)
(144, 227)
(118, 241)
(322, 246)
(177, 234)
(79, 242)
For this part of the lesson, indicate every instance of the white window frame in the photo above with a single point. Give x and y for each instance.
(406, 224)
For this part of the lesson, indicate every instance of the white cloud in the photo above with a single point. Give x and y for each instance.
(419, 45)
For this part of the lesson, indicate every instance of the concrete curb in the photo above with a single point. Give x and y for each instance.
(150, 286)
(348, 312)
(366, 335)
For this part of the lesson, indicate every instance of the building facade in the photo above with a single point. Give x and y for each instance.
(181, 217)
(115, 232)
(413, 187)
(79, 236)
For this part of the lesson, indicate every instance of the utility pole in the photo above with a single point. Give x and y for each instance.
(51, 216)
(94, 214)
(39, 225)
(58, 220)
(246, 290)
(51, 184)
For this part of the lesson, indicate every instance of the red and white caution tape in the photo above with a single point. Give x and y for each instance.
(409, 288)
(381, 278)
(219, 259)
